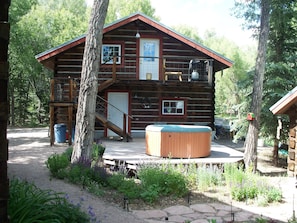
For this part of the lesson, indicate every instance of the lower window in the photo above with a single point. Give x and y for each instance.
(173, 107)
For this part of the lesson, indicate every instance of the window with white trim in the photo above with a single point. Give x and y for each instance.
(109, 51)
(173, 107)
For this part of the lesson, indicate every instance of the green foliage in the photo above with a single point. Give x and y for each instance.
(40, 25)
(68, 153)
(115, 180)
(97, 151)
(248, 186)
(120, 8)
(208, 178)
(27, 204)
(281, 67)
(57, 163)
(163, 181)
(157, 181)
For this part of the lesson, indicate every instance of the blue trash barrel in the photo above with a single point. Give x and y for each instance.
(60, 133)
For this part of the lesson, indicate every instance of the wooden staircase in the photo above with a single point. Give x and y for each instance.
(101, 111)
(116, 129)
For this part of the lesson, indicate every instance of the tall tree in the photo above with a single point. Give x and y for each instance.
(84, 130)
(250, 155)
(118, 9)
(280, 76)
(4, 40)
(38, 26)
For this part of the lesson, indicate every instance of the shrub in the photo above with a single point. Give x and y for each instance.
(115, 180)
(81, 172)
(207, 178)
(57, 163)
(164, 181)
(97, 151)
(27, 204)
(234, 174)
(68, 153)
(246, 185)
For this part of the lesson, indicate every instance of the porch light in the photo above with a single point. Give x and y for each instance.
(137, 35)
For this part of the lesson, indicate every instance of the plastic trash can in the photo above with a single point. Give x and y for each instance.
(60, 133)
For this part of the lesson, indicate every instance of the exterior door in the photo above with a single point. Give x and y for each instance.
(118, 103)
(149, 59)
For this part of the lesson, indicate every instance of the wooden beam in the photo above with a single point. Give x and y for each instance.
(4, 105)
(52, 122)
(70, 113)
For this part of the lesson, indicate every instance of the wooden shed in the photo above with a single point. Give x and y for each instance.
(148, 74)
(287, 105)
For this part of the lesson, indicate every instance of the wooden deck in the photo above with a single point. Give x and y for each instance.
(129, 155)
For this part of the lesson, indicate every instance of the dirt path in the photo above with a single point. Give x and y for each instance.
(28, 151)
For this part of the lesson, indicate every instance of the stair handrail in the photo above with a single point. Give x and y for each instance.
(114, 107)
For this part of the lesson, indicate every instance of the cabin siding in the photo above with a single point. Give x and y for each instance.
(145, 103)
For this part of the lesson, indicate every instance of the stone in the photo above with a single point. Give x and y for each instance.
(203, 208)
(150, 214)
(178, 210)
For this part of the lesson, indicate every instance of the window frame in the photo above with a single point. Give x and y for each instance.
(173, 100)
(114, 45)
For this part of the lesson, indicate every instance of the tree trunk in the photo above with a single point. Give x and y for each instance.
(275, 152)
(4, 106)
(250, 155)
(84, 130)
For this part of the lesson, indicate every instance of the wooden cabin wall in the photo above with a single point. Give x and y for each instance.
(177, 55)
(199, 103)
(198, 94)
(292, 150)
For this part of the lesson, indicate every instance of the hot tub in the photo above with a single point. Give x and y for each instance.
(178, 141)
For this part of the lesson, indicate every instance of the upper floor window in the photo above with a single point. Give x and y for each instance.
(109, 51)
(173, 107)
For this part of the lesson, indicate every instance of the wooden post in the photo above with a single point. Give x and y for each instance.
(52, 93)
(210, 72)
(125, 125)
(4, 106)
(70, 113)
(114, 68)
(71, 86)
(52, 122)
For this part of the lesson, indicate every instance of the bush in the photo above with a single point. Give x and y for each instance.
(163, 181)
(245, 185)
(97, 151)
(57, 163)
(27, 204)
(207, 178)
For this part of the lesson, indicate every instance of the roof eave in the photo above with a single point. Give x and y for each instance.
(281, 106)
(42, 57)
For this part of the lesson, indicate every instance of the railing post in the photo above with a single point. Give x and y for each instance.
(52, 96)
(114, 68)
(70, 89)
(125, 125)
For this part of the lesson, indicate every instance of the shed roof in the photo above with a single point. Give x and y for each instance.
(281, 106)
(47, 56)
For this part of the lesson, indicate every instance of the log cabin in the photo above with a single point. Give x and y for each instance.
(287, 105)
(148, 74)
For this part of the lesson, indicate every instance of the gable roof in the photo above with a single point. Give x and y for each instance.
(46, 55)
(281, 106)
